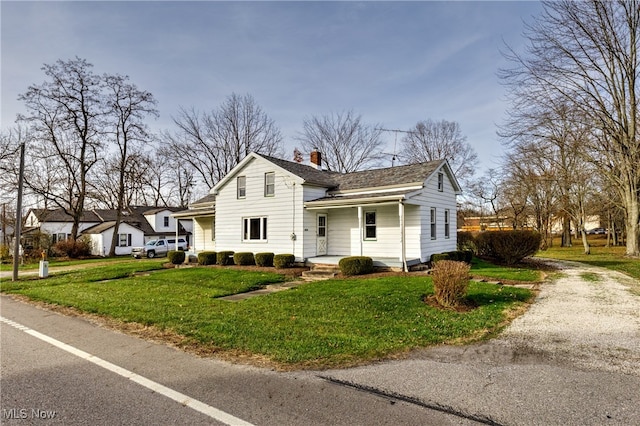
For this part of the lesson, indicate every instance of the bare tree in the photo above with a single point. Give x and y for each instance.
(585, 55)
(66, 118)
(213, 143)
(437, 140)
(346, 143)
(127, 107)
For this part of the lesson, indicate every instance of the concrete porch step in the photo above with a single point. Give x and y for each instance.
(320, 272)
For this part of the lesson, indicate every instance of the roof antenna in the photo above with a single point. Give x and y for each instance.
(394, 157)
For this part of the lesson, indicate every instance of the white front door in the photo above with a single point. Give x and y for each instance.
(321, 235)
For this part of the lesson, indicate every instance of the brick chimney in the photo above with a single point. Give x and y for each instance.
(316, 158)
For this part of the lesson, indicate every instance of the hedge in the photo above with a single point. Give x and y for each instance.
(176, 256)
(508, 247)
(207, 258)
(243, 258)
(264, 259)
(458, 256)
(284, 260)
(224, 258)
(356, 265)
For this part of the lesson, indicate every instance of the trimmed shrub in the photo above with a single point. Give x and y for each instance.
(224, 258)
(356, 265)
(466, 241)
(264, 259)
(73, 249)
(243, 258)
(508, 247)
(284, 260)
(458, 256)
(207, 258)
(176, 257)
(450, 282)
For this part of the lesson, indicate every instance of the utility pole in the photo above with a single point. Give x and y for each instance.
(18, 228)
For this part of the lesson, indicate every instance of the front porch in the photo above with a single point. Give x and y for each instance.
(391, 263)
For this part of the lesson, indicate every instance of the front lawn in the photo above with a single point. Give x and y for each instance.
(605, 257)
(324, 324)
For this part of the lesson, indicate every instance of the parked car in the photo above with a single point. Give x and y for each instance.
(596, 231)
(160, 247)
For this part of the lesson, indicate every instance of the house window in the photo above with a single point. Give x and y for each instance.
(166, 221)
(241, 182)
(446, 223)
(124, 240)
(433, 223)
(440, 182)
(254, 229)
(269, 184)
(370, 225)
(213, 229)
(61, 237)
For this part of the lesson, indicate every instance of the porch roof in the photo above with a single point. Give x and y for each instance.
(391, 197)
(193, 213)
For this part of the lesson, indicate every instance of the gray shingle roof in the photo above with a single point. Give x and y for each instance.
(388, 176)
(358, 180)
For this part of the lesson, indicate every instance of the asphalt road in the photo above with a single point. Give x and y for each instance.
(44, 384)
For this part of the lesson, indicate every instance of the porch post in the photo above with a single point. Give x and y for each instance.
(360, 227)
(403, 250)
(177, 226)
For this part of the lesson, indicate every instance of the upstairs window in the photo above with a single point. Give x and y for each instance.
(440, 182)
(370, 225)
(166, 221)
(269, 184)
(433, 223)
(241, 182)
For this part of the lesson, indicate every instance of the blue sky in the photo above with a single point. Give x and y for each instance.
(395, 63)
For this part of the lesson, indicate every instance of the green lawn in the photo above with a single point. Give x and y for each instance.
(323, 324)
(605, 257)
(482, 268)
(54, 262)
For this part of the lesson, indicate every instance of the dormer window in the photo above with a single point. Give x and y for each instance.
(440, 182)
(269, 184)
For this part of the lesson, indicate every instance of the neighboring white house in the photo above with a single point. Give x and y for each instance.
(128, 236)
(139, 224)
(399, 216)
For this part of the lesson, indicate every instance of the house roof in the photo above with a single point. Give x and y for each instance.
(389, 176)
(101, 227)
(207, 199)
(133, 216)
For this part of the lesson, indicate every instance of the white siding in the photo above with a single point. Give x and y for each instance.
(308, 235)
(157, 222)
(432, 198)
(102, 242)
(202, 238)
(283, 211)
(64, 227)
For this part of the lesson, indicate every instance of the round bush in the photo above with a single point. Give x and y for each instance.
(450, 282)
(508, 247)
(243, 258)
(264, 259)
(207, 258)
(356, 265)
(284, 260)
(176, 257)
(224, 258)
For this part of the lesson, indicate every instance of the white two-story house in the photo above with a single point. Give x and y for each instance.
(399, 215)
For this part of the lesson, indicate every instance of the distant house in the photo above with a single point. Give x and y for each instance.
(399, 216)
(139, 224)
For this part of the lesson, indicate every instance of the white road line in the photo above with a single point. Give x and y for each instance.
(181, 398)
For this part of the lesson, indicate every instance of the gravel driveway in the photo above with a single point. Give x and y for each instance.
(589, 317)
(572, 359)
